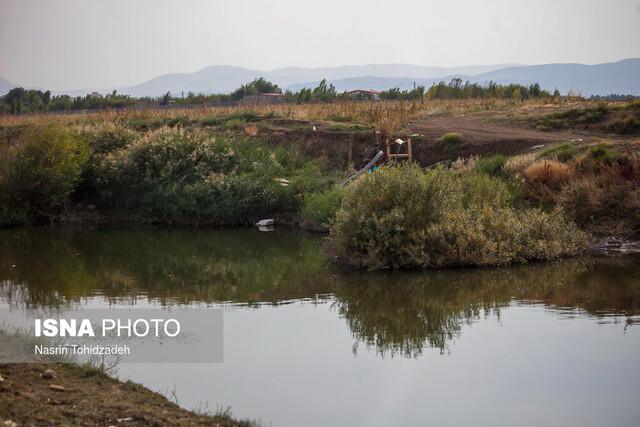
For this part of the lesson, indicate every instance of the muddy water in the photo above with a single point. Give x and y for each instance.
(304, 343)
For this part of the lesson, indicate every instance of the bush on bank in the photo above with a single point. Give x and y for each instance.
(176, 174)
(404, 217)
(39, 168)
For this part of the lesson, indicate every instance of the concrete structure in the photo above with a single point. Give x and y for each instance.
(362, 94)
(263, 99)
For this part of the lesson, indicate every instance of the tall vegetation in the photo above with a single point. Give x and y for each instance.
(404, 217)
(39, 168)
(455, 89)
(260, 85)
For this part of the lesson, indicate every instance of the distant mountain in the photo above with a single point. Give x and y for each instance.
(225, 79)
(6, 86)
(218, 79)
(614, 77)
(602, 79)
(300, 75)
(621, 77)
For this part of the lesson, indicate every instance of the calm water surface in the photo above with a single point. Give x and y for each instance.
(306, 344)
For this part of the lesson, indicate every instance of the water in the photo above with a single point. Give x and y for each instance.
(305, 343)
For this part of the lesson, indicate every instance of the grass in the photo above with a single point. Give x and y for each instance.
(561, 152)
(450, 143)
(622, 119)
(493, 165)
(319, 209)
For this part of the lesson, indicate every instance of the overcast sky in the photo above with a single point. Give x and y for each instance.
(99, 44)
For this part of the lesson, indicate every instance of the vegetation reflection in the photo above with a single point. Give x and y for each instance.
(395, 313)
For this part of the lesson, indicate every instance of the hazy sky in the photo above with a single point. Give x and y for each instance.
(87, 43)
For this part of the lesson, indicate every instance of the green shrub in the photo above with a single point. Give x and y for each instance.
(625, 125)
(319, 209)
(175, 174)
(108, 137)
(39, 168)
(235, 123)
(450, 143)
(602, 153)
(213, 121)
(246, 116)
(403, 217)
(493, 165)
(562, 152)
(178, 121)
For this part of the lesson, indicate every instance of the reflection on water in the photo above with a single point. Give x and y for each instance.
(393, 313)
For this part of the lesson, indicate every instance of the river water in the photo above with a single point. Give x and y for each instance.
(306, 343)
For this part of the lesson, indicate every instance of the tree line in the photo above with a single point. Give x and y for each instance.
(20, 100)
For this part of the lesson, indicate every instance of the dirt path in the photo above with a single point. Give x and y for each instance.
(485, 133)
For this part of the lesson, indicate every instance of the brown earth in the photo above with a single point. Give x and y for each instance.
(485, 133)
(84, 396)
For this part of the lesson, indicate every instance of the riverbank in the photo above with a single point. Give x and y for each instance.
(84, 396)
(238, 166)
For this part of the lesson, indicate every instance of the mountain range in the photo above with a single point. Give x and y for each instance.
(602, 79)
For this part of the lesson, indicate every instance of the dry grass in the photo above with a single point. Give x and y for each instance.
(601, 191)
(385, 116)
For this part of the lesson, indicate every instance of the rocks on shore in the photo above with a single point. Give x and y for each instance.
(49, 373)
(612, 245)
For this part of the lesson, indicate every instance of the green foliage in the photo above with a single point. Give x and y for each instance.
(403, 217)
(255, 87)
(456, 90)
(39, 167)
(175, 174)
(493, 165)
(625, 125)
(562, 152)
(213, 121)
(235, 123)
(396, 94)
(573, 117)
(320, 208)
(450, 143)
(602, 153)
(178, 121)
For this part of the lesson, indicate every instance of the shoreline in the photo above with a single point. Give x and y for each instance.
(83, 395)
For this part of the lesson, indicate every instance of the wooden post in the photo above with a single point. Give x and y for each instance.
(409, 150)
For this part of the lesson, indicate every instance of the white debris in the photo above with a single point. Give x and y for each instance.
(265, 222)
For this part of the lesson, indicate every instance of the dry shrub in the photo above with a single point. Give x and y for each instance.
(547, 172)
(251, 130)
(602, 194)
(607, 199)
(464, 165)
(517, 165)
